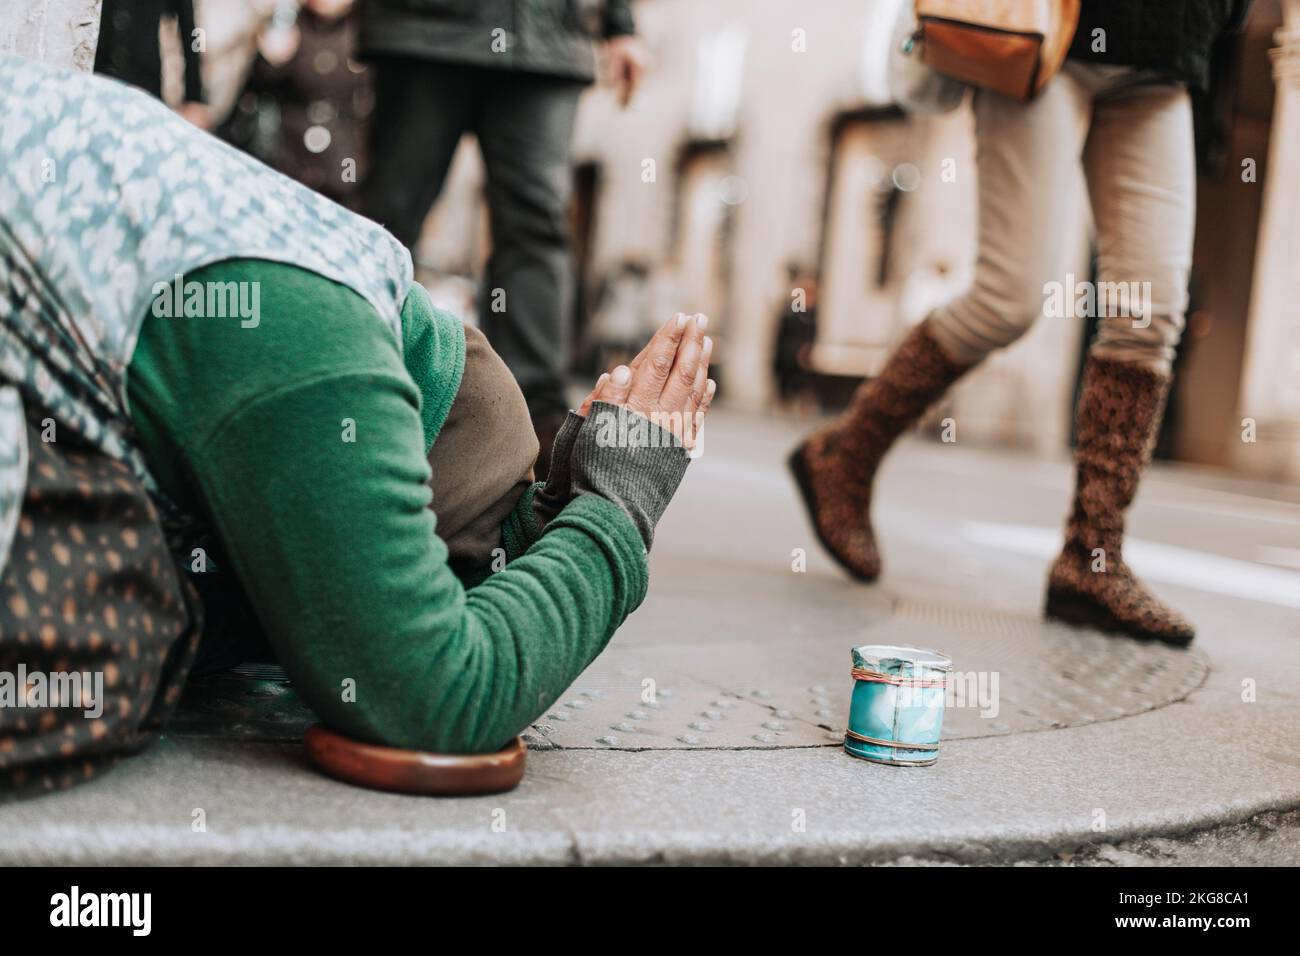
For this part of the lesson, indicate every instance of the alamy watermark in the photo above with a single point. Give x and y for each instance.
(1081, 299)
(133, 911)
(209, 300)
(77, 690)
(973, 689)
(656, 430)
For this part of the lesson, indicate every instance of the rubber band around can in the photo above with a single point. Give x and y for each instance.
(896, 712)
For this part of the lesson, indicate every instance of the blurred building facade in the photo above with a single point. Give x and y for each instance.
(54, 31)
(762, 145)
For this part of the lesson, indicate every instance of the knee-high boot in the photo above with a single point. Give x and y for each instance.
(836, 466)
(1119, 413)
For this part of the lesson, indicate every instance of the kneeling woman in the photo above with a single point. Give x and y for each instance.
(222, 396)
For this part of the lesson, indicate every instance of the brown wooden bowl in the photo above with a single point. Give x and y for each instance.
(416, 771)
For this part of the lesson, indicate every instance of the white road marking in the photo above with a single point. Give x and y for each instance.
(1159, 562)
(1286, 557)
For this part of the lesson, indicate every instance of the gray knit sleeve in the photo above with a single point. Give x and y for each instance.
(558, 490)
(626, 458)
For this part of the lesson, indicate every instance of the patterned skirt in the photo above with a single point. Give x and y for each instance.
(98, 627)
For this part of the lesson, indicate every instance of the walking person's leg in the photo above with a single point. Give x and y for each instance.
(525, 128)
(1028, 156)
(1141, 178)
(421, 111)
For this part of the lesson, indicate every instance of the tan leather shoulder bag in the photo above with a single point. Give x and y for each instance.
(1011, 46)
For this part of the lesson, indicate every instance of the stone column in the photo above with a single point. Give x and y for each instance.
(62, 32)
(1270, 392)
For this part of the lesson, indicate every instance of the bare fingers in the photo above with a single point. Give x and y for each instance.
(652, 375)
(594, 395)
(673, 329)
(690, 355)
(706, 402)
(691, 418)
(616, 387)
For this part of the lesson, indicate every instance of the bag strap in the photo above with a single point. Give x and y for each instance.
(1056, 46)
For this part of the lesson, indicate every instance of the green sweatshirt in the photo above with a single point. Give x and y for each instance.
(332, 539)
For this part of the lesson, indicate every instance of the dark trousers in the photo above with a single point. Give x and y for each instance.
(524, 126)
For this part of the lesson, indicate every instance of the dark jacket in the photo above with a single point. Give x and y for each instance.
(128, 44)
(537, 36)
(1173, 36)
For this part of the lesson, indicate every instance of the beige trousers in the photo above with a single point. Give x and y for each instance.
(1133, 134)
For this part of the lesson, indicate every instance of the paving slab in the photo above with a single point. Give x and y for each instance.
(999, 799)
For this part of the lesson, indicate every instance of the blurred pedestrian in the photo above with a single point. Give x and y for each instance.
(1121, 105)
(509, 71)
(305, 106)
(129, 50)
(796, 333)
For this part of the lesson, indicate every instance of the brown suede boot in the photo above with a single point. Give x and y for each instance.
(1120, 408)
(836, 465)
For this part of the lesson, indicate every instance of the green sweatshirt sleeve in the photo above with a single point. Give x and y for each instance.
(301, 440)
(433, 352)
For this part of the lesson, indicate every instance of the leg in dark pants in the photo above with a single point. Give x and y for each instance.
(421, 111)
(525, 129)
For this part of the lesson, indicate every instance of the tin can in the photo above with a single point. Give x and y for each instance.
(896, 711)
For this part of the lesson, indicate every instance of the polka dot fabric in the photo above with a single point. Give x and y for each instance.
(89, 588)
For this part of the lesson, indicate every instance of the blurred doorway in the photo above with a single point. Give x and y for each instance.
(702, 229)
(1203, 424)
(582, 229)
(867, 176)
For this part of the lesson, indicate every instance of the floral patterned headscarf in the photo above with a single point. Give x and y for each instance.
(104, 194)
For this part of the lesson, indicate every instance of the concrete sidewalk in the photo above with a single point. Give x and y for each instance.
(735, 756)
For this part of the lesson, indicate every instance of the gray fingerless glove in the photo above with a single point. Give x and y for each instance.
(629, 460)
(550, 500)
